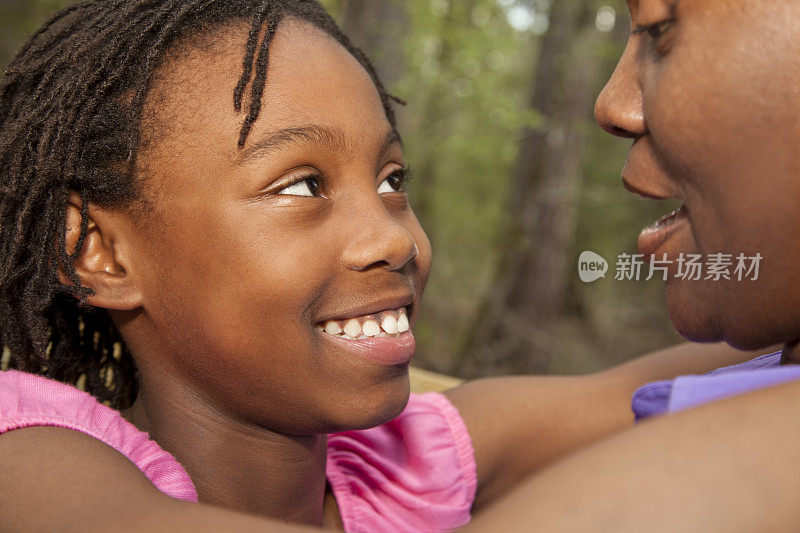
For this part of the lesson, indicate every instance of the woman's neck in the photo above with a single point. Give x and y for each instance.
(233, 464)
(791, 353)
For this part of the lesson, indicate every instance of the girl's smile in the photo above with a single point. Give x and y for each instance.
(383, 337)
(259, 251)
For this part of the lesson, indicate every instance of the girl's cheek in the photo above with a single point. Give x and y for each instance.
(424, 257)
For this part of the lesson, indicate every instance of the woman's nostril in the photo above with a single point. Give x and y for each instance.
(621, 132)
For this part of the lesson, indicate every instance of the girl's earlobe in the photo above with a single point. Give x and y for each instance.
(97, 263)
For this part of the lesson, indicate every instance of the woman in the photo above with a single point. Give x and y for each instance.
(707, 91)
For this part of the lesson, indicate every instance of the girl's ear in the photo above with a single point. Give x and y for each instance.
(101, 265)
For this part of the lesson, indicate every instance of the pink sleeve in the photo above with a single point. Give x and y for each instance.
(30, 400)
(415, 473)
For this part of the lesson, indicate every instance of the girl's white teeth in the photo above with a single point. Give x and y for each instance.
(402, 323)
(352, 328)
(385, 324)
(332, 328)
(389, 324)
(370, 328)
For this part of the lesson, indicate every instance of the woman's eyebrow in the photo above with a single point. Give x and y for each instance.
(313, 133)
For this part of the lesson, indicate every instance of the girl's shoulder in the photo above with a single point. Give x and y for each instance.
(414, 473)
(29, 400)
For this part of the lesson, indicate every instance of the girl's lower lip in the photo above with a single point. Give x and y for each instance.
(653, 236)
(382, 350)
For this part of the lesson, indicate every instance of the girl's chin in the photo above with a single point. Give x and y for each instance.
(371, 408)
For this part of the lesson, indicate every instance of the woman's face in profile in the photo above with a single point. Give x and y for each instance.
(709, 91)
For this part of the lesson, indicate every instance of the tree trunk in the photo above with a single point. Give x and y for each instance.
(378, 27)
(532, 283)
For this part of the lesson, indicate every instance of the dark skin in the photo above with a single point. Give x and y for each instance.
(707, 91)
(218, 289)
(255, 258)
(712, 112)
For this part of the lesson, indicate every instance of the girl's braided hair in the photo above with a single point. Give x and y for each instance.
(71, 106)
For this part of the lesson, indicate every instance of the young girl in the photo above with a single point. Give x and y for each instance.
(204, 223)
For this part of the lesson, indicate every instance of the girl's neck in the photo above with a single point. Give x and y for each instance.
(233, 464)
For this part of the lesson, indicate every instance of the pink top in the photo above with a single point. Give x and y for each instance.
(415, 473)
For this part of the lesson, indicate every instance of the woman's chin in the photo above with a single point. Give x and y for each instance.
(705, 311)
(691, 313)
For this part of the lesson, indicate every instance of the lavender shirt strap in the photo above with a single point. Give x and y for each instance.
(663, 397)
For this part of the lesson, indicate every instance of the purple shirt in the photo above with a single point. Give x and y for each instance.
(684, 392)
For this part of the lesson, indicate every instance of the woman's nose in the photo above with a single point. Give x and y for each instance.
(377, 239)
(619, 108)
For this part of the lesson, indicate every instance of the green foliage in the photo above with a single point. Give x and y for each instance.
(19, 18)
(465, 68)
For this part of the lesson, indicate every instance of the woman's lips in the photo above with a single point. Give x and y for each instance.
(653, 236)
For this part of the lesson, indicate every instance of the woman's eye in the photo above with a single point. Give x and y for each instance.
(656, 31)
(393, 183)
(661, 34)
(307, 187)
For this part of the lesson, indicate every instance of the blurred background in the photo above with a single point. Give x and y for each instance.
(512, 177)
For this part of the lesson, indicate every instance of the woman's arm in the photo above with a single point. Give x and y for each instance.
(519, 424)
(726, 467)
(55, 479)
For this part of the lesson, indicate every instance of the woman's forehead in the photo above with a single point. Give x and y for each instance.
(636, 5)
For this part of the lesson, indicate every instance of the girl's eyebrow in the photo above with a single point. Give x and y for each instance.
(313, 133)
(275, 140)
(392, 137)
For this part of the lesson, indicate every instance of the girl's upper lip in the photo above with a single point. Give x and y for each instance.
(374, 306)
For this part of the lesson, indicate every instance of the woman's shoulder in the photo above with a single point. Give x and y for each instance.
(414, 473)
(30, 400)
(685, 392)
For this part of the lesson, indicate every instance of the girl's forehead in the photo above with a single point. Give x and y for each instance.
(312, 84)
(311, 79)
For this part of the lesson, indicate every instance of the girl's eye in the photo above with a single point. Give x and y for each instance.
(307, 187)
(393, 183)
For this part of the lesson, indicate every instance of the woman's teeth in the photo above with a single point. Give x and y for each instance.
(668, 219)
(384, 324)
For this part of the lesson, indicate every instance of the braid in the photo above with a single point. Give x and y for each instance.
(250, 53)
(71, 108)
(262, 63)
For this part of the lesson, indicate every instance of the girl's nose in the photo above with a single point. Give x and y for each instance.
(619, 108)
(378, 240)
